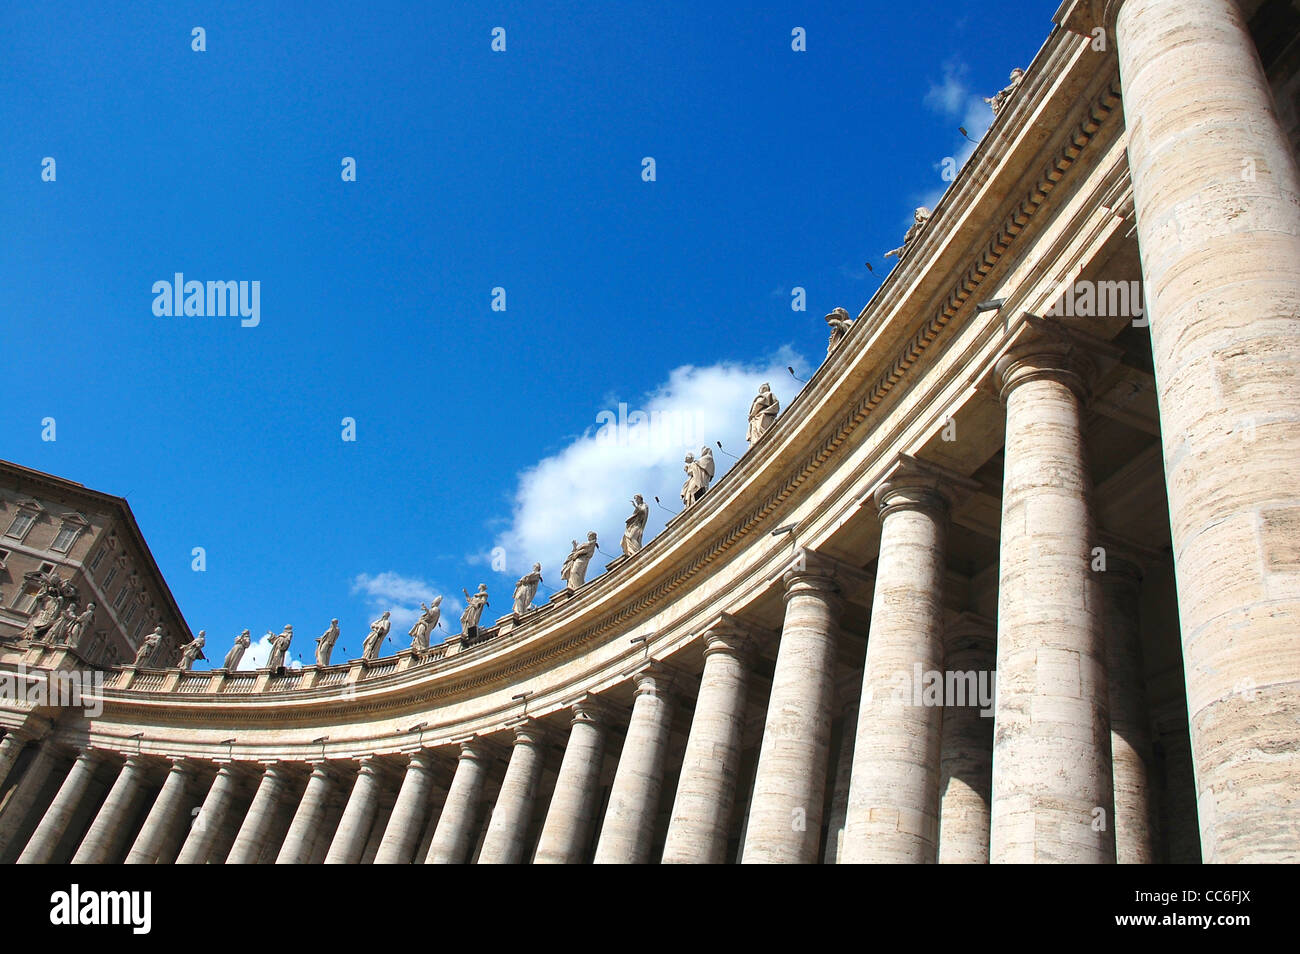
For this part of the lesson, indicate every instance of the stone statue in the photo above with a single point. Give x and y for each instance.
(635, 526)
(192, 651)
(236, 654)
(325, 643)
(574, 570)
(279, 648)
(919, 218)
(998, 100)
(148, 645)
(840, 323)
(699, 474)
(59, 628)
(378, 632)
(55, 593)
(526, 589)
(419, 633)
(81, 625)
(473, 608)
(762, 413)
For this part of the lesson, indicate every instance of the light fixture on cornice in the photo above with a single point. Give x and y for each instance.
(523, 697)
(795, 376)
(788, 528)
(962, 130)
(662, 507)
(993, 304)
(732, 456)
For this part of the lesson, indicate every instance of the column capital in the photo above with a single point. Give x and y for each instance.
(1083, 17)
(591, 709)
(808, 571)
(729, 635)
(478, 749)
(1045, 348)
(910, 483)
(653, 677)
(530, 731)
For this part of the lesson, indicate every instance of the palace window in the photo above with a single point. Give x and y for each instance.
(65, 538)
(130, 613)
(138, 627)
(24, 599)
(121, 595)
(99, 557)
(22, 523)
(4, 558)
(112, 572)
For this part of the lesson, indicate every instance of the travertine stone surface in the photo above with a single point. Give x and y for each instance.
(839, 803)
(629, 825)
(706, 787)
(106, 833)
(259, 819)
(1051, 754)
(165, 815)
(207, 825)
(505, 842)
(456, 831)
(359, 816)
(571, 815)
(405, 824)
(1130, 721)
(785, 810)
(1217, 196)
(308, 817)
(40, 847)
(966, 748)
(892, 813)
(11, 746)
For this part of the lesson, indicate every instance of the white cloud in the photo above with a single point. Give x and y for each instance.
(258, 653)
(638, 448)
(401, 596)
(952, 98)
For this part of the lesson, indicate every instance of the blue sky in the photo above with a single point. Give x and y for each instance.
(475, 429)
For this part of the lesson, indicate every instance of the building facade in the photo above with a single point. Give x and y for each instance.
(1057, 450)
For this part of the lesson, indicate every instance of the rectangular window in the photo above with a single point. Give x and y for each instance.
(22, 523)
(66, 536)
(99, 558)
(112, 572)
(138, 627)
(24, 601)
(130, 612)
(4, 558)
(121, 595)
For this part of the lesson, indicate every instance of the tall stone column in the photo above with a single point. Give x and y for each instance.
(103, 840)
(1130, 721)
(29, 788)
(785, 809)
(706, 787)
(167, 813)
(41, 846)
(11, 746)
(308, 817)
(359, 815)
(1217, 196)
(966, 743)
(628, 831)
(456, 829)
(839, 806)
(211, 818)
(893, 809)
(406, 823)
(1051, 754)
(505, 841)
(271, 791)
(566, 833)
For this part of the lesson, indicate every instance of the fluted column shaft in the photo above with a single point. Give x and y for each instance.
(1130, 721)
(566, 833)
(785, 809)
(212, 816)
(627, 834)
(167, 812)
(504, 842)
(251, 839)
(892, 815)
(706, 787)
(354, 827)
(402, 835)
(106, 832)
(308, 817)
(41, 846)
(453, 837)
(1051, 754)
(966, 745)
(1217, 196)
